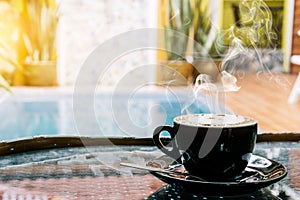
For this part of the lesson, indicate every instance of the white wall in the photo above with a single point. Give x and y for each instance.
(85, 24)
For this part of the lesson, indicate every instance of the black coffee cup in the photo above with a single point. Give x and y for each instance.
(211, 146)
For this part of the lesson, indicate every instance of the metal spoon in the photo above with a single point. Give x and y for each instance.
(166, 171)
(153, 169)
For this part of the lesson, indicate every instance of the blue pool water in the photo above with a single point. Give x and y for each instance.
(24, 115)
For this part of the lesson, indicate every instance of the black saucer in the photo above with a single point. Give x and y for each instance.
(173, 191)
(260, 172)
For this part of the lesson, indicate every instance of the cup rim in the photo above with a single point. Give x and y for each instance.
(247, 122)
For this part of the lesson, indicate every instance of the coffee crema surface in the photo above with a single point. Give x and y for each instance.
(214, 120)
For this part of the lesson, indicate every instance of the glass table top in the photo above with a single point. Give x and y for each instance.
(94, 172)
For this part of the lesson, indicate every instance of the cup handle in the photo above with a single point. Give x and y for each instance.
(173, 152)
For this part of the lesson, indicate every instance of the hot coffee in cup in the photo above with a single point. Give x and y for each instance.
(212, 146)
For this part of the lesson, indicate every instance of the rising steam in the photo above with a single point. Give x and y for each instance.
(214, 91)
(252, 33)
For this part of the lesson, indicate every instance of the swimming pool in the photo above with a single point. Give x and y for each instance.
(50, 112)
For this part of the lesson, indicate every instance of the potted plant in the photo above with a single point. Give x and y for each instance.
(9, 44)
(175, 69)
(39, 36)
(200, 40)
(208, 46)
